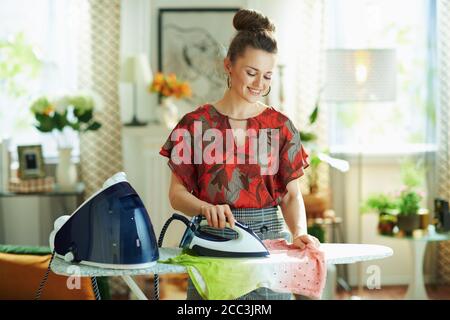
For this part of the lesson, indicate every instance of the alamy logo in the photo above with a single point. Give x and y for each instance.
(374, 279)
(73, 281)
(263, 147)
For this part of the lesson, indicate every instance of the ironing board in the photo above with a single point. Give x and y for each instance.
(335, 253)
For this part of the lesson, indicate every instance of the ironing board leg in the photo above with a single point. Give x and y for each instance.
(134, 287)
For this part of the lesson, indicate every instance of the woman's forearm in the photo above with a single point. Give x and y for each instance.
(293, 209)
(187, 203)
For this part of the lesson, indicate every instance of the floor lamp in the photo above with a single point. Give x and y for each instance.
(360, 76)
(136, 71)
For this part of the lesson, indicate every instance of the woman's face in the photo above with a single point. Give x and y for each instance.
(251, 73)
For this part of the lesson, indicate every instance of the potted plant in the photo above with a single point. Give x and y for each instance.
(408, 218)
(385, 205)
(409, 199)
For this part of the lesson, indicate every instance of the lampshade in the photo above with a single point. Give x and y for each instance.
(136, 69)
(354, 75)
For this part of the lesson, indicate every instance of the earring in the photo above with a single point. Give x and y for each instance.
(228, 81)
(265, 95)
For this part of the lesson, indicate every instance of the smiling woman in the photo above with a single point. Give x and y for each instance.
(223, 190)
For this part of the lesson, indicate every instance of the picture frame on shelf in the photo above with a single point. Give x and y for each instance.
(31, 162)
(192, 43)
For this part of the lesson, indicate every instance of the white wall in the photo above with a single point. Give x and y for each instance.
(139, 34)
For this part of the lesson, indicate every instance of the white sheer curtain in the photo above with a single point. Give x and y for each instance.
(309, 72)
(51, 27)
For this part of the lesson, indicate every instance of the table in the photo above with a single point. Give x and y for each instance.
(418, 243)
(39, 209)
(335, 253)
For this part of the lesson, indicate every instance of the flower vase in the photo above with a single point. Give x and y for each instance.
(66, 172)
(168, 113)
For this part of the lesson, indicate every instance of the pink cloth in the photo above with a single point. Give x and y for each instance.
(302, 272)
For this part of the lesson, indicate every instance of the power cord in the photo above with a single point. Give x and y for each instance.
(95, 288)
(174, 216)
(45, 278)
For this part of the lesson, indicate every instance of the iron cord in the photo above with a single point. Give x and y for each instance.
(175, 216)
(95, 288)
(44, 279)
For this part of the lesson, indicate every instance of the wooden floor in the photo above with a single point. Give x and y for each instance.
(174, 288)
(435, 292)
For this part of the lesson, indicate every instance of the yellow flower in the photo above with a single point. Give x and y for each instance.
(186, 89)
(49, 110)
(169, 85)
(159, 78)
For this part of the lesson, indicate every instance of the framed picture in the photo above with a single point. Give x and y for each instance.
(192, 43)
(31, 162)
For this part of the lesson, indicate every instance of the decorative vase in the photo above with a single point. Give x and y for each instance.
(168, 113)
(66, 172)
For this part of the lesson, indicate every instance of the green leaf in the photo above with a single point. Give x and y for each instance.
(46, 123)
(84, 117)
(307, 136)
(94, 126)
(75, 126)
(314, 114)
(315, 161)
(60, 121)
(43, 128)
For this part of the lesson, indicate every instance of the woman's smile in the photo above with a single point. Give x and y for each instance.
(255, 92)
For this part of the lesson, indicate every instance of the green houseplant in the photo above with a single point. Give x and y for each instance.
(385, 205)
(60, 116)
(409, 198)
(408, 218)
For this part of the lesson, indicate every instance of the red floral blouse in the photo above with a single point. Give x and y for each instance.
(215, 170)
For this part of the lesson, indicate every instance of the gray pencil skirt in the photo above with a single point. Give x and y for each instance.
(266, 224)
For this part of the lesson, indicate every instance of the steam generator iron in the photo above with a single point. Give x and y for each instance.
(111, 229)
(203, 240)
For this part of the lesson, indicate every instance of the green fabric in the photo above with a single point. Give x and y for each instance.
(238, 273)
(16, 249)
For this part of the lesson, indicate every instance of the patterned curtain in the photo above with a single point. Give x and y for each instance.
(443, 158)
(99, 60)
(309, 76)
(101, 151)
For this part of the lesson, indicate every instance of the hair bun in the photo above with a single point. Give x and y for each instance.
(252, 20)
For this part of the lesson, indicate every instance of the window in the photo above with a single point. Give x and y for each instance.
(408, 124)
(49, 27)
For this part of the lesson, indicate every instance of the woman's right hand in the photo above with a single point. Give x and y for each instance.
(218, 215)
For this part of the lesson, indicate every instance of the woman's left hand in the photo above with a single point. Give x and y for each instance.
(305, 239)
